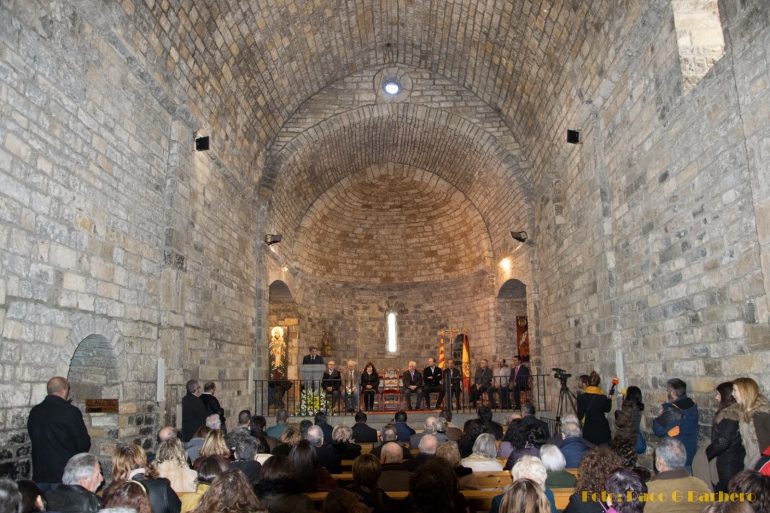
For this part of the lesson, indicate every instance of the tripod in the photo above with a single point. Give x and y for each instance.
(566, 398)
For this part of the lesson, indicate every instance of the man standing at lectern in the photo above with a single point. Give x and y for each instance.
(313, 358)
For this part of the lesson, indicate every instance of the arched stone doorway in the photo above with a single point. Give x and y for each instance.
(283, 335)
(512, 322)
(94, 375)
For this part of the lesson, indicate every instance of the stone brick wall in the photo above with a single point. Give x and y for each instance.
(92, 160)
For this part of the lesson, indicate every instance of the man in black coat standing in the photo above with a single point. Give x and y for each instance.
(194, 412)
(519, 380)
(57, 432)
(212, 403)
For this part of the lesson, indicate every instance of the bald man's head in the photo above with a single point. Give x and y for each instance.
(391, 453)
(166, 433)
(58, 386)
(428, 444)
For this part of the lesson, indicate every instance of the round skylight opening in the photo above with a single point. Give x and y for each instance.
(392, 88)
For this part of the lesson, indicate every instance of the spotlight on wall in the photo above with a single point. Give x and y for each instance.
(519, 236)
(202, 143)
(573, 136)
(273, 238)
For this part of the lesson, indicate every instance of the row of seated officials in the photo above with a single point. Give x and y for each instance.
(435, 470)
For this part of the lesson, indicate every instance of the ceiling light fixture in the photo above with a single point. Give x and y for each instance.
(392, 87)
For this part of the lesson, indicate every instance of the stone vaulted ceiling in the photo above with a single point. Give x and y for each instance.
(248, 67)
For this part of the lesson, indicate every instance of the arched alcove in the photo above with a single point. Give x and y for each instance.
(512, 322)
(94, 375)
(283, 313)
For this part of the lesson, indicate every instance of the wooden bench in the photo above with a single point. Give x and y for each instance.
(493, 479)
(478, 500)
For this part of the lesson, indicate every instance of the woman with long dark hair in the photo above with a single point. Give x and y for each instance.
(595, 468)
(278, 490)
(305, 469)
(370, 382)
(726, 445)
(127, 494)
(592, 408)
(629, 417)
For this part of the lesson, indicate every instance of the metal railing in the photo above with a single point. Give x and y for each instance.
(305, 398)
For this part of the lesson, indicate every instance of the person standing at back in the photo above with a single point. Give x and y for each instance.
(194, 411)
(679, 418)
(212, 403)
(592, 407)
(57, 433)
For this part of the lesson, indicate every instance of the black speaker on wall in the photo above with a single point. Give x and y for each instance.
(573, 136)
(202, 143)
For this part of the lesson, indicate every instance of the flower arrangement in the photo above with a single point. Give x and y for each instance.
(311, 402)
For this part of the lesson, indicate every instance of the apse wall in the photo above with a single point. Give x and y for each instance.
(110, 226)
(657, 264)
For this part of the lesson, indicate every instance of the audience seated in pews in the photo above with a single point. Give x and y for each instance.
(342, 443)
(31, 496)
(322, 420)
(673, 479)
(484, 455)
(434, 489)
(597, 465)
(289, 438)
(231, 493)
(389, 434)
(626, 449)
(427, 449)
(325, 455)
(209, 469)
(130, 462)
(430, 426)
(529, 419)
(527, 438)
(366, 475)
(81, 478)
(214, 444)
(343, 501)
(572, 445)
(127, 494)
(555, 464)
(524, 495)
(754, 483)
(245, 456)
(490, 426)
(362, 433)
(465, 478)
(452, 432)
(171, 463)
(506, 447)
(281, 418)
(471, 431)
(403, 430)
(278, 490)
(306, 469)
(531, 468)
(395, 475)
(193, 446)
(626, 492)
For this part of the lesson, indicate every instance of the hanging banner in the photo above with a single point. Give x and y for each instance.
(522, 337)
(441, 355)
(466, 363)
(277, 348)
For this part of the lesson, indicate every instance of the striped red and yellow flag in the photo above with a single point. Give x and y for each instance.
(441, 355)
(466, 363)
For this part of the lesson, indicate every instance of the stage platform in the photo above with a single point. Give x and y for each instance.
(415, 418)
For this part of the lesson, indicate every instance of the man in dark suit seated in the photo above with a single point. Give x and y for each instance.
(362, 433)
(431, 377)
(412, 385)
(389, 434)
(313, 358)
(331, 383)
(482, 381)
(454, 377)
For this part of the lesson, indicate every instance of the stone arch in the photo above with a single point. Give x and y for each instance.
(511, 305)
(94, 374)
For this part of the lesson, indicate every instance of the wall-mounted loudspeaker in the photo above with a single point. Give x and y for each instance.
(202, 143)
(573, 136)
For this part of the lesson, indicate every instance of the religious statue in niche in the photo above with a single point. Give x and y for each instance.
(277, 348)
(326, 344)
(522, 339)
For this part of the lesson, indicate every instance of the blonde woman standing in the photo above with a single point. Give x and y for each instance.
(755, 419)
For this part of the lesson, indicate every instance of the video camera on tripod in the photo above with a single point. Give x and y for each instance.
(566, 397)
(561, 374)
